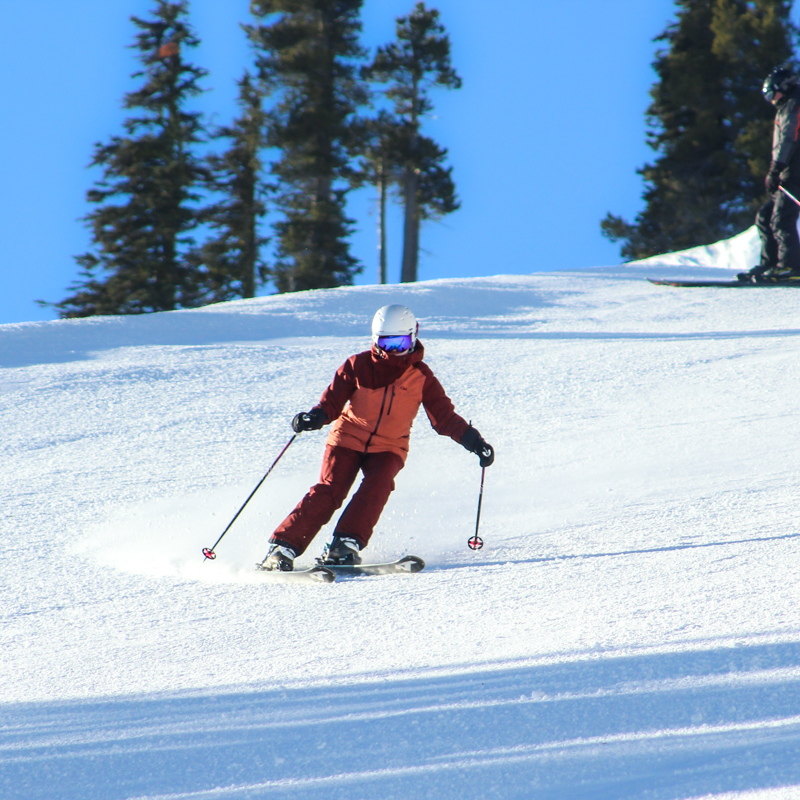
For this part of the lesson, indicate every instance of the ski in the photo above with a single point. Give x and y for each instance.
(315, 574)
(406, 565)
(722, 284)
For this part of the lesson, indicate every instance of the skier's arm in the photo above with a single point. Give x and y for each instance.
(439, 408)
(445, 421)
(787, 132)
(335, 397)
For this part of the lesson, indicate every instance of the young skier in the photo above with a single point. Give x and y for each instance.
(382, 389)
(777, 218)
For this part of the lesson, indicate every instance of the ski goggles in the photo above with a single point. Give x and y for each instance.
(395, 344)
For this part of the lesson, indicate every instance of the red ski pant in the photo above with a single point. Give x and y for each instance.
(340, 467)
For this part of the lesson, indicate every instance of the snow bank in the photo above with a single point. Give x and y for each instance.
(739, 254)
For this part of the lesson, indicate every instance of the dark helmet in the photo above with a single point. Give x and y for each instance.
(779, 80)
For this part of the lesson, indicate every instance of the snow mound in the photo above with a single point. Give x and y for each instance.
(740, 253)
(721, 260)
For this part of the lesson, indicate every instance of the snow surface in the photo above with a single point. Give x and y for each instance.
(630, 630)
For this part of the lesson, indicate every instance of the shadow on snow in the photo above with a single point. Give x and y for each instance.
(613, 554)
(655, 725)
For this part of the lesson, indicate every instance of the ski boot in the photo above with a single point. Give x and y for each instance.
(342, 551)
(280, 557)
(754, 275)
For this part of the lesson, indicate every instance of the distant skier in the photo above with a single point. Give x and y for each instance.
(777, 218)
(382, 389)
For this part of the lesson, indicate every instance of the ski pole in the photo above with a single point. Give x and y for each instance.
(208, 552)
(789, 195)
(475, 543)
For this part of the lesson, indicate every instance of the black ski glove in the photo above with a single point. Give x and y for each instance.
(472, 441)
(773, 179)
(309, 420)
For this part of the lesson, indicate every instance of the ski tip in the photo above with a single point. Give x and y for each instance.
(411, 564)
(323, 574)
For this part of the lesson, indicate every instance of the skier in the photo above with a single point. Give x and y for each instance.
(777, 218)
(385, 387)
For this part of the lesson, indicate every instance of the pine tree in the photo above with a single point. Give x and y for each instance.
(231, 260)
(308, 55)
(411, 66)
(137, 264)
(709, 125)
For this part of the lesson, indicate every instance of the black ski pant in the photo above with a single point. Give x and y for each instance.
(777, 226)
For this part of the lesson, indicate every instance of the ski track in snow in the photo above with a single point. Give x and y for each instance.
(630, 630)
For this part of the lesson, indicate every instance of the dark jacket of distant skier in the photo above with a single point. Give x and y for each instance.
(786, 141)
(777, 218)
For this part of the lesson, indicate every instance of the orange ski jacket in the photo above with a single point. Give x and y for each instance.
(383, 395)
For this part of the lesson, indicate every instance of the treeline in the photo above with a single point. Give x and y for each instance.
(174, 226)
(709, 125)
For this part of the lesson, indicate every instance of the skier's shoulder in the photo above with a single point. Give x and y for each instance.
(790, 108)
(422, 367)
(357, 359)
(416, 361)
(348, 370)
(360, 360)
(431, 382)
(356, 366)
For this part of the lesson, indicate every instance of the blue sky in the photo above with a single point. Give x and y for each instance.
(545, 135)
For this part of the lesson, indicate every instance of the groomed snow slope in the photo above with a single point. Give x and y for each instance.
(630, 630)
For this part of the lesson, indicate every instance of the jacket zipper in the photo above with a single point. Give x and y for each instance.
(378, 423)
(391, 403)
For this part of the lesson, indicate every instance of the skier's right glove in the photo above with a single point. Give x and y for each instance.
(309, 420)
(472, 441)
(773, 180)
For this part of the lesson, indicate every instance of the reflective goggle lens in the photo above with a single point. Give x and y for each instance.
(395, 344)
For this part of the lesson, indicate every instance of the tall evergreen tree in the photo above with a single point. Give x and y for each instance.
(709, 125)
(231, 260)
(416, 62)
(138, 260)
(308, 54)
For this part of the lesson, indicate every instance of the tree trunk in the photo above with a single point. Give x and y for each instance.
(408, 273)
(249, 259)
(249, 247)
(382, 223)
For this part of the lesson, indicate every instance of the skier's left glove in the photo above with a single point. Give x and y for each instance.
(773, 180)
(473, 441)
(309, 420)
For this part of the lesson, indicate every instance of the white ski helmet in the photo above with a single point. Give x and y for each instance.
(394, 330)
